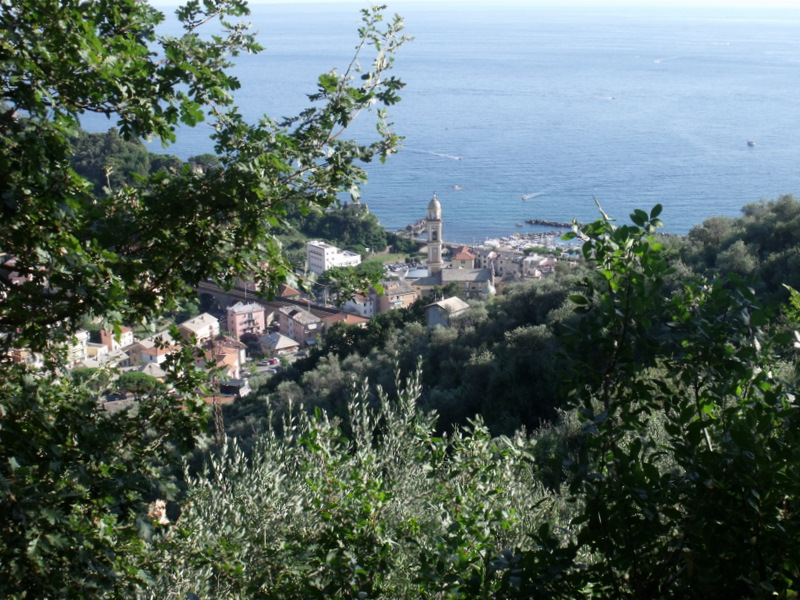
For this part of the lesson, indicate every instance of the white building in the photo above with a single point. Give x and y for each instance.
(363, 306)
(321, 257)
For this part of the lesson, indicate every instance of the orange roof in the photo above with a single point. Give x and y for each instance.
(463, 253)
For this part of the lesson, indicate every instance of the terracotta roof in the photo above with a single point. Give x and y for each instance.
(463, 253)
(227, 342)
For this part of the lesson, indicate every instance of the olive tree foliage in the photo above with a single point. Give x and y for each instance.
(74, 480)
(390, 511)
(689, 472)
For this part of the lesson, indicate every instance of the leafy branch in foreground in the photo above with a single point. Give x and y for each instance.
(689, 477)
(75, 481)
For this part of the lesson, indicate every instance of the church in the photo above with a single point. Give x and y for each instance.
(475, 283)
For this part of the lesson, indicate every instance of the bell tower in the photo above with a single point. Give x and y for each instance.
(435, 264)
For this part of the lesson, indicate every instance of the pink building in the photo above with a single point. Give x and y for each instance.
(246, 318)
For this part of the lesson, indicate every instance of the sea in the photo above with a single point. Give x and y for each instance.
(518, 111)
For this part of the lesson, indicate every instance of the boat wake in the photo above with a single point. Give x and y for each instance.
(660, 61)
(534, 195)
(439, 154)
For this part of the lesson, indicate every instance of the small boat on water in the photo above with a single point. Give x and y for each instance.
(751, 143)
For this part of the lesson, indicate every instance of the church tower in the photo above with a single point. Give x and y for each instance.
(434, 236)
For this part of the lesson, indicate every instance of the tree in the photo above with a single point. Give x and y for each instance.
(108, 160)
(138, 383)
(687, 478)
(76, 480)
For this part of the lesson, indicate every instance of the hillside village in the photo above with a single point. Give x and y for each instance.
(248, 336)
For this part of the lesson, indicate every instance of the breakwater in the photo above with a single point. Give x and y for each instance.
(545, 223)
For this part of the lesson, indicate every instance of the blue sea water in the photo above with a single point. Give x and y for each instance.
(562, 106)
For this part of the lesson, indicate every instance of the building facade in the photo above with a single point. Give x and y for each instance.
(246, 318)
(300, 325)
(204, 327)
(396, 294)
(321, 256)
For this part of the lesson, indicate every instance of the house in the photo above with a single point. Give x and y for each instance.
(462, 258)
(246, 318)
(151, 369)
(27, 357)
(276, 344)
(78, 348)
(225, 354)
(442, 312)
(203, 327)
(346, 318)
(321, 256)
(299, 324)
(154, 349)
(360, 305)
(235, 387)
(114, 342)
(530, 266)
(97, 352)
(396, 294)
(474, 283)
(502, 260)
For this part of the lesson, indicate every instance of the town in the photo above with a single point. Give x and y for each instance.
(245, 335)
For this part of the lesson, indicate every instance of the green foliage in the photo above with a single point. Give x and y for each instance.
(391, 510)
(762, 243)
(687, 429)
(402, 244)
(351, 226)
(138, 250)
(498, 360)
(109, 161)
(74, 480)
(137, 383)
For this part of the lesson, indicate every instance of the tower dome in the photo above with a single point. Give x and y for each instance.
(434, 209)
